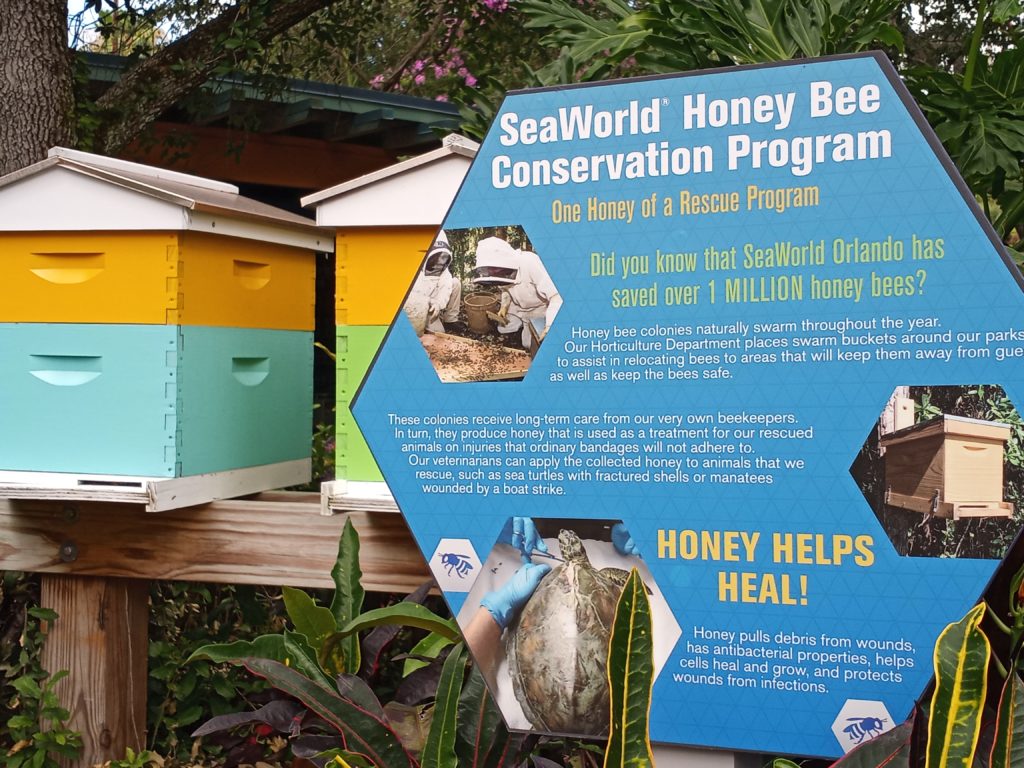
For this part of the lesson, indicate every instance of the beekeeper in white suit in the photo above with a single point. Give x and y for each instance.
(437, 294)
(527, 292)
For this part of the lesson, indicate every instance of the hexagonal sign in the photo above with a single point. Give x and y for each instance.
(750, 268)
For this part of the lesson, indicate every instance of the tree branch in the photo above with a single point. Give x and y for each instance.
(391, 80)
(158, 82)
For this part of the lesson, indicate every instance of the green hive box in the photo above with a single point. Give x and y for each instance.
(356, 347)
(152, 400)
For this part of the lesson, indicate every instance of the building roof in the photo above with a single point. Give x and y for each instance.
(307, 109)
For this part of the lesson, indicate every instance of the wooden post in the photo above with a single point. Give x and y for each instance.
(100, 638)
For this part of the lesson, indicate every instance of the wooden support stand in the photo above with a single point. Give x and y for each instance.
(100, 638)
(97, 558)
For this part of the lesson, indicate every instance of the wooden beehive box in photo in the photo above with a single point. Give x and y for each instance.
(384, 221)
(152, 324)
(948, 466)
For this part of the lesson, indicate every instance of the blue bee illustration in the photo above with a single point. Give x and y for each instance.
(456, 564)
(861, 728)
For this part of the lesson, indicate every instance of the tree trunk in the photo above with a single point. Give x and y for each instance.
(36, 101)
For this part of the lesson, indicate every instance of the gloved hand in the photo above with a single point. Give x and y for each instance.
(433, 310)
(521, 533)
(505, 603)
(623, 542)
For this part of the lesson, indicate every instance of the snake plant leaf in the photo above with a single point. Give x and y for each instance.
(439, 751)
(630, 677)
(961, 668)
(407, 615)
(348, 595)
(263, 647)
(1008, 745)
(483, 740)
(364, 732)
(312, 620)
(890, 749)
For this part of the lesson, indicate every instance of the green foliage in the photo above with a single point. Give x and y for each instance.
(182, 617)
(615, 37)
(1008, 744)
(35, 735)
(439, 750)
(630, 677)
(961, 671)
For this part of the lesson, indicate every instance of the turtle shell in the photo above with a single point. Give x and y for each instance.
(558, 650)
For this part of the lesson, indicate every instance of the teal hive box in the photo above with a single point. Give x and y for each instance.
(152, 400)
(357, 345)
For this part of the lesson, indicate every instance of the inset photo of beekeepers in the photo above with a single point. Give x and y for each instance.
(482, 304)
(538, 620)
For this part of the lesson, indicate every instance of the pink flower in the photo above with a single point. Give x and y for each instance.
(418, 65)
(441, 97)
(438, 71)
(470, 81)
(420, 79)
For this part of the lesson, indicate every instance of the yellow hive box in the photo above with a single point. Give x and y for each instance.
(374, 270)
(159, 278)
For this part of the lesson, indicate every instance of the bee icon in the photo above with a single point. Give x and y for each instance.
(861, 728)
(456, 564)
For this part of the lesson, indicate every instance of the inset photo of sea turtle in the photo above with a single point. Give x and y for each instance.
(482, 304)
(943, 469)
(538, 620)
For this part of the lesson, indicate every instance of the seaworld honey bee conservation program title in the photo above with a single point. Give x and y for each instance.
(756, 340)
(578, 124)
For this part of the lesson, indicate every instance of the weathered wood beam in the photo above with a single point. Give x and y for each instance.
(274, 538)
(100, 638)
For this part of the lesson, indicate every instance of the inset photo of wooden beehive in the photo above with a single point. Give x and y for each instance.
(948, 466)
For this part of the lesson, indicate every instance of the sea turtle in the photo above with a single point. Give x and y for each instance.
(558, 650)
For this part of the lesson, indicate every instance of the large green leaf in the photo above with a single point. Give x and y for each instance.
(364, 732)
(1008, 744)
(348, 596)
(408, 615)
(630, 677)
(483, 740)
(439, 751)
(263, 647)
(312, 620)
(961, 667)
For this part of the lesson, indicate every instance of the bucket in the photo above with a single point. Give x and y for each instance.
(477, 306)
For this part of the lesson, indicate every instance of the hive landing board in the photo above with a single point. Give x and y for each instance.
(754, 264)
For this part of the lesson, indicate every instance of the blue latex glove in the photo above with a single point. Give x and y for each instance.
(504, 603)
(623, 542)
(522, 534)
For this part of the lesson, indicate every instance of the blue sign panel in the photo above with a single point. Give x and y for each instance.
(746, 331)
